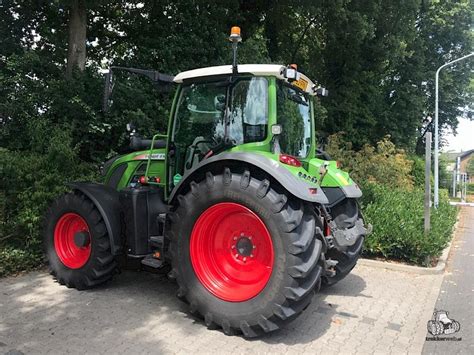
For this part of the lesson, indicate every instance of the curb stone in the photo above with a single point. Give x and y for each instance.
(438, 269)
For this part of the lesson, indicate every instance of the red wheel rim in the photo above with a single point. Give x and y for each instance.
(70, 254)
(231, 252)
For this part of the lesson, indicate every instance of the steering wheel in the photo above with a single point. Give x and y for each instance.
(197, 148)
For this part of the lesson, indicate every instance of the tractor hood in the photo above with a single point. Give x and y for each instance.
(337, 184)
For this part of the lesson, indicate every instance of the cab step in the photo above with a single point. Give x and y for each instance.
(152, 262)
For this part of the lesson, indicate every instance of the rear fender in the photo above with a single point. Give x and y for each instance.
(106, 199)
(297, 187)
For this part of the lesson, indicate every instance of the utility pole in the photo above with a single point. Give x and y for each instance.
(454, 178)
(427, 181)
(436, 148)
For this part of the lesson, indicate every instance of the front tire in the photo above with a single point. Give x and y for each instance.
(76, 243)
(246, 256)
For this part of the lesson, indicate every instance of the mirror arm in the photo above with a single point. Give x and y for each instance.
(153, 75)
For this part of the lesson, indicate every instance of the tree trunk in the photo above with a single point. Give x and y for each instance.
(76, 53)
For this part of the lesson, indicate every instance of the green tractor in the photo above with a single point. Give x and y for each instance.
(236, 202)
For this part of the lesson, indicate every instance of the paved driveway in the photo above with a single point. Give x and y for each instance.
(372, 310)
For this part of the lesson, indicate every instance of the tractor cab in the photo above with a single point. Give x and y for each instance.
(257, 107)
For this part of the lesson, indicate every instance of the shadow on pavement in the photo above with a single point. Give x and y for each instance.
(317, 318)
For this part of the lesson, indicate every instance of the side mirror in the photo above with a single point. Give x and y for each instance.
(108, 87)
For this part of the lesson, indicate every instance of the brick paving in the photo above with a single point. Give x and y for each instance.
(371, 311)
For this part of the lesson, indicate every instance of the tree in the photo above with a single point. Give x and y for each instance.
(377, 59)
(76, 54)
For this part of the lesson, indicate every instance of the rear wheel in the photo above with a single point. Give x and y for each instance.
(344, 214)
(246, 257)
(76, 243)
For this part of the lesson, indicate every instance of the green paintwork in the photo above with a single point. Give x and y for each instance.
(334, 177)
(136, 160)
(158, 167)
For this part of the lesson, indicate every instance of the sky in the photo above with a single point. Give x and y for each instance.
(464, 140)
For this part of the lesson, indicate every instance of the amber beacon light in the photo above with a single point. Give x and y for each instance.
(235, 34)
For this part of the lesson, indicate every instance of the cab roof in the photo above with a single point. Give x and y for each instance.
(275, 70)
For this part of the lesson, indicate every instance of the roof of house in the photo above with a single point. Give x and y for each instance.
(452, 156)
(463, 155)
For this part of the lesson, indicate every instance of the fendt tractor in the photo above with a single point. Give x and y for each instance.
(235, 202)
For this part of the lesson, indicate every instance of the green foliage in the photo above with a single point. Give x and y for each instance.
(393, 197)
(16, 260)
(470, 189)
(28, 183)
(418, 171)
(397, 217)
(382, 164)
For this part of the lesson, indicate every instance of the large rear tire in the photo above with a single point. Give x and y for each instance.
(76, 243)
(246, 255)
(344, 214)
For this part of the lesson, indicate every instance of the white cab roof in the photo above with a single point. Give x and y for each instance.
(254, 69)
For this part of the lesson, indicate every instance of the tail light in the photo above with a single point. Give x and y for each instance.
(289, 160)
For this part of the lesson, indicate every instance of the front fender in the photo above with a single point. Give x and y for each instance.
(297, 187)
(106, 199)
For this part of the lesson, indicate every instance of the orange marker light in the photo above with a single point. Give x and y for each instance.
(235, 31)
(235, 34)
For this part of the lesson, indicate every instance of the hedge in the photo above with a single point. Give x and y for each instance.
(29, 181)
(397, 217)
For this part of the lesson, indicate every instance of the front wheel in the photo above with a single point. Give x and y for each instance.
(246, 257)
(76, 243)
